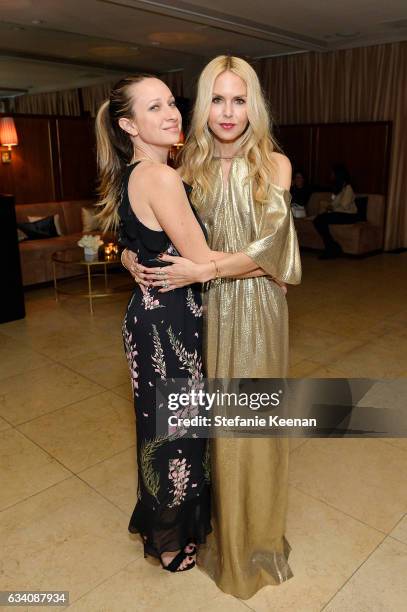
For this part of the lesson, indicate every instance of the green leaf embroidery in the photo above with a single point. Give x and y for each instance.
(206, 463)
(190, 361)
(158, 357)
(192, 305)
(151, 478)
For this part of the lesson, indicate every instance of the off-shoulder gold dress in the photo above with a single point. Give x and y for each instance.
(246, 335)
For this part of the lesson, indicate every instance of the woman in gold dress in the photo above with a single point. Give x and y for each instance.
(241, 189)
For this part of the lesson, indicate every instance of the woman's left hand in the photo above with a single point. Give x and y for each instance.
(281, 284)
(180, 273)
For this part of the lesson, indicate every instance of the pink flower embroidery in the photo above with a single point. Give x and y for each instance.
(149, 302)
(179, 475)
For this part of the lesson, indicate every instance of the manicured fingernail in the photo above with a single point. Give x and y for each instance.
(160, 255)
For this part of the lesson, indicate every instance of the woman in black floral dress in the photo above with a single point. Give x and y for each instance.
(162, 331)
(163, 338)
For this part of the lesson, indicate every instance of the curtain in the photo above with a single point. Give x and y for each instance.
(70, 102)
(175, 81)
(362, 84)
(73, 102)
(52, 103)
(93, 96)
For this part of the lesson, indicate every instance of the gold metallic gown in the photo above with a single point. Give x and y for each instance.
(246, 335)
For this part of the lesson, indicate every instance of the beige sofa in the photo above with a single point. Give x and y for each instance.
(356, 238)
(35, 255)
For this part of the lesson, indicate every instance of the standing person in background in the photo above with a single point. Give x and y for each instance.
(241, 190)
(341, 210)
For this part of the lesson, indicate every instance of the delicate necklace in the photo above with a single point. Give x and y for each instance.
(222, 157)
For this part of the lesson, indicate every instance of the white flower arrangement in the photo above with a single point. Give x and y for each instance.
(90, 242)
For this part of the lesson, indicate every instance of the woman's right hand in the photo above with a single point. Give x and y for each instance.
(129, 261)
(281, 284)
(260, 272)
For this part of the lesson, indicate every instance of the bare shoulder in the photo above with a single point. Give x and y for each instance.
(283, 170)
(161, 175)
(154, 182)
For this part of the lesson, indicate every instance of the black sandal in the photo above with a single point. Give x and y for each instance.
(174, 565)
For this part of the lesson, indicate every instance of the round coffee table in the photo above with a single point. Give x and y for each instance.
(74, 257)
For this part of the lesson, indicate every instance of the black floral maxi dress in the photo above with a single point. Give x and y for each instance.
(162, 335)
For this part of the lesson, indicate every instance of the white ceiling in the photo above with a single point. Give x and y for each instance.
(48, 45)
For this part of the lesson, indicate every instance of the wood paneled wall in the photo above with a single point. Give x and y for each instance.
(56, 156)
(364, 147)
(54, 160)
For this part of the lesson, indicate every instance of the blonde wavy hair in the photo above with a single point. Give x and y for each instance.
(256, 142)
(114, 148)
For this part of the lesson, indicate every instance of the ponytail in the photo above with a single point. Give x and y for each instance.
(114, 149)
(110, 167)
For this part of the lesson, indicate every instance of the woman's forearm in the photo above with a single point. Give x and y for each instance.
(185, 272)
(255, 274)
(228, 266)
(221, 256)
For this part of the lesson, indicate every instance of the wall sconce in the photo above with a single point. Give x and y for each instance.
(175, 149)
(8, 137)
(181, 141)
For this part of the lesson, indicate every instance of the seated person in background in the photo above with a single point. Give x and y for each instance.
(340, 210)
(300, 192)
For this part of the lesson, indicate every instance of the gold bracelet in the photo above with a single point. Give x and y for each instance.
(217, 272)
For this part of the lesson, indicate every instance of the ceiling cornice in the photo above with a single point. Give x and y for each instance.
(50, 59)
(222, 21)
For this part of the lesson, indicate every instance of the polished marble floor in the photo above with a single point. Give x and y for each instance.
(68, 457)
